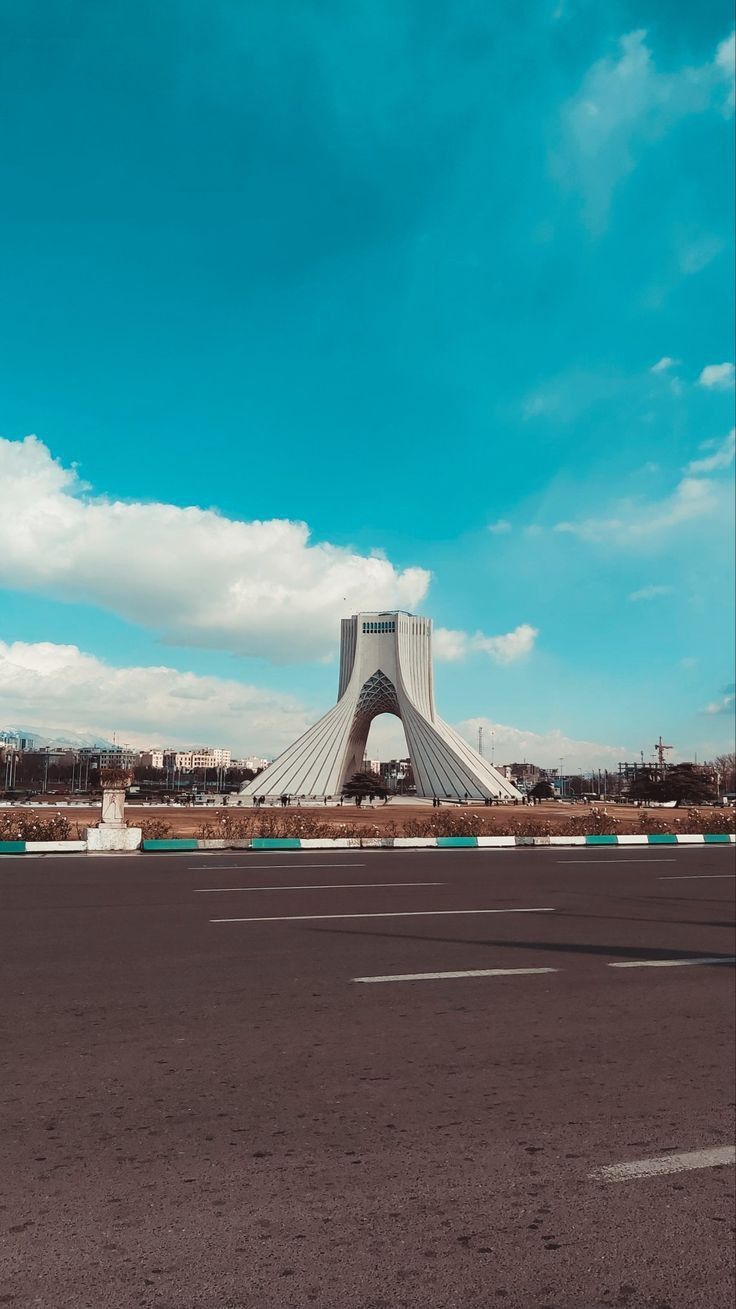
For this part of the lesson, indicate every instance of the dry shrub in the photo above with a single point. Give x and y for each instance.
(153, 829)
(652, 822)
(19, 826)
(709, 820)
(594, 822)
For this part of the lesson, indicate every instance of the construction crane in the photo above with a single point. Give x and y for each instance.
(659, 750)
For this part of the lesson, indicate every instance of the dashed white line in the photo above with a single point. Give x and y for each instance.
(466, 972)
(715, 1157)
(694, 877)
(320, 886)
(644, 860)
(676, 963)
(241, 868)
(404, 913)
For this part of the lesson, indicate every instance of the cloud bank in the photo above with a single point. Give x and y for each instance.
(514, 745)
(640, 523)
(191, 575)
(61, 687)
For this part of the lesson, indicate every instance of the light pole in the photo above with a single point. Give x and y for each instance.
(562, 780)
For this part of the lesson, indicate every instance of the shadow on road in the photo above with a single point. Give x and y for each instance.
(553, 947)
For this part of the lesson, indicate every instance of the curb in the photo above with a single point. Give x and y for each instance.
(184, 844)
(42, 847)
(439, 842)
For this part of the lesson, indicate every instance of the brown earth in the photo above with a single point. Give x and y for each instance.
(189, 821)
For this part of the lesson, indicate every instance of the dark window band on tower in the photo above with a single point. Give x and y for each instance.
(379, 628)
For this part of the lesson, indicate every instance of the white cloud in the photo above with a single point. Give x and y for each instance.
(500, 527)
(636, 522)
(507, 649)
(61, 687)
(725, 61)
(722, 457)
(624, 103)
(663, 364)
(191, 575)
(540, 403)
(650, 592)
(451, 646)
(639, 522)
(726, 704)
(514, 745)
(694, 256)
(718, 377)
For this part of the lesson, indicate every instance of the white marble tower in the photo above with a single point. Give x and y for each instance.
(385, 667)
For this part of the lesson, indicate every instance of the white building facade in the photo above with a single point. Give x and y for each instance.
(385, 667)
(200, 756)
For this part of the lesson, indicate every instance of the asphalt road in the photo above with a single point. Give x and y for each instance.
(202, 1109)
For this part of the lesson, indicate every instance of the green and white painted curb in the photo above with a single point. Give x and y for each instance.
(184, 844)
(438, 842)
(42, 847)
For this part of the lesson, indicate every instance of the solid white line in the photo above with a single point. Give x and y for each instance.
(240, 868)
(468, 972)
(676, 963)
(404, 913)
(323, 886)
(694, 877)
(667, 1163)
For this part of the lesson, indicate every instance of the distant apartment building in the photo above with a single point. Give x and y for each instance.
(372, 766)
(252, 763)
(151, 759)
(13, 741)
(117, 756)
(200, 756)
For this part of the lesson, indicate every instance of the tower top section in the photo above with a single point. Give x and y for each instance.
(384, 613)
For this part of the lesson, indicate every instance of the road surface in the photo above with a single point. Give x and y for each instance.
(368, 1080)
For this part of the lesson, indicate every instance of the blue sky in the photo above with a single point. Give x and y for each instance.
(448, 283)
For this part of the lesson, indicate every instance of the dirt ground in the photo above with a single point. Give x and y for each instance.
(187, 820)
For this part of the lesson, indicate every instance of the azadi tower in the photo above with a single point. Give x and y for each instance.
(385, 668)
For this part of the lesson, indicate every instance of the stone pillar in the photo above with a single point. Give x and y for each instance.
(111, 832)
(113, 808)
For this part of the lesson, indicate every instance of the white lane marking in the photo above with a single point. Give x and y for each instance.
(645, 860)
(322, 886)
(676, 963)
(240, 868)
(694, 877)
(404, 913)
(467, 972)
(715, 1157)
